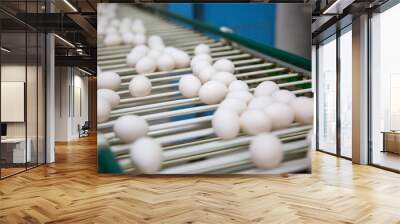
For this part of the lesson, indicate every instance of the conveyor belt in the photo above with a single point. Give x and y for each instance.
(182, 125)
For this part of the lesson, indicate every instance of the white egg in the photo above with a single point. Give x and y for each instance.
(103, 110)
(283, 96)
(159, 47)
(189, 86)
(155, 40)
(111, 31)
(155, 54)
(198, 66)
(224, 77)
(108, 80)
(266, 88)
(282, 115)
(138, 26)
(206, 73)
(128, 128)
(242, 95)
(140, 86)
(303, 109)
(111, 96)
(128, 38)
(254, 122)
(226, 123)
(266, 151)
(142, 49)
(146, 65)
(181, 58)
(165, 63)
(234, 104)
(201, 57)
(146, 154)
(238, 85)
(112, 39)
(202, 49)
(170, 50)
(139, 39)
(133, 57)
(224, 65)
(212, 92)
(260, 102)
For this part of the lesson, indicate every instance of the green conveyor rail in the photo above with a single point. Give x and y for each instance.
(257, 46)
(106, 162)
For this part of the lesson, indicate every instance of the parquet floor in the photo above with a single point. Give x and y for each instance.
(70, 191)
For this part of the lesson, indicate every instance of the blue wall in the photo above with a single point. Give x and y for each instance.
(255, 21)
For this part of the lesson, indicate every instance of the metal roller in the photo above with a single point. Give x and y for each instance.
(183, 126)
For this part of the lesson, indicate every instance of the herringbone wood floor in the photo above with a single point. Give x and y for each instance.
(70, 191)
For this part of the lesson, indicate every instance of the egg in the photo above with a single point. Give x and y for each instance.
(165, 63)
(112, 39)
(155, 40)
(146, 154)
(253, 122)
(139, 39)
(266, 88)
(138, 26)
(170, 50)
(133, 57)
(260, 102)
(146, 65)
(224, 77)
(283, 96)
(212, 92)
(202, 49)
(128, 38)
(234, 104)
(201, 57)
(181, 58)
(111, 31)
(140, 86)
(242, 95)
(103, 110)
(225, 124)
(198, 66)
(238, 85)
(206, 73)
(189, 86)
(266, 151)
(303, 109)
(108, 80)
(111, 96)
(155, 54)
(128, 128)
(159, 47)
(142, 49)
(224, 65)
(282, 115)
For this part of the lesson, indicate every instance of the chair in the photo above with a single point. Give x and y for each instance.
(84, 130)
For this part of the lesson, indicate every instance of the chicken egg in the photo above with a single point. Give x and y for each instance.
(254, 122)
(155, 40)
(242, 95)
(234, 104)
(202, 49)
(165, 63)
(133, 57)
(260, 102)
(266, 88)
(282, 115)
(103, 110)
(139, 39)
(266, 151)
(238, 85)
(199, 65)
(140, 86)
(146, 65)
(189, 86)
(170, 50)
(224, 65)
(303, 109)
(201, 57)
(224, 77)
(142, 49)
(159, 47)
(128, 38)
(155, 54)
(128, 128)
(181, 58)
(146, 154)
(206, 73)
(111, 96)
(108, 80)
(283, 96)
(226, 124)
(212, 92)
(112, 39)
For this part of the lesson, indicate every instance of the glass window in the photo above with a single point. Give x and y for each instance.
(327, 96)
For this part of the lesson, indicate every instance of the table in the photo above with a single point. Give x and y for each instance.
(391, 141)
